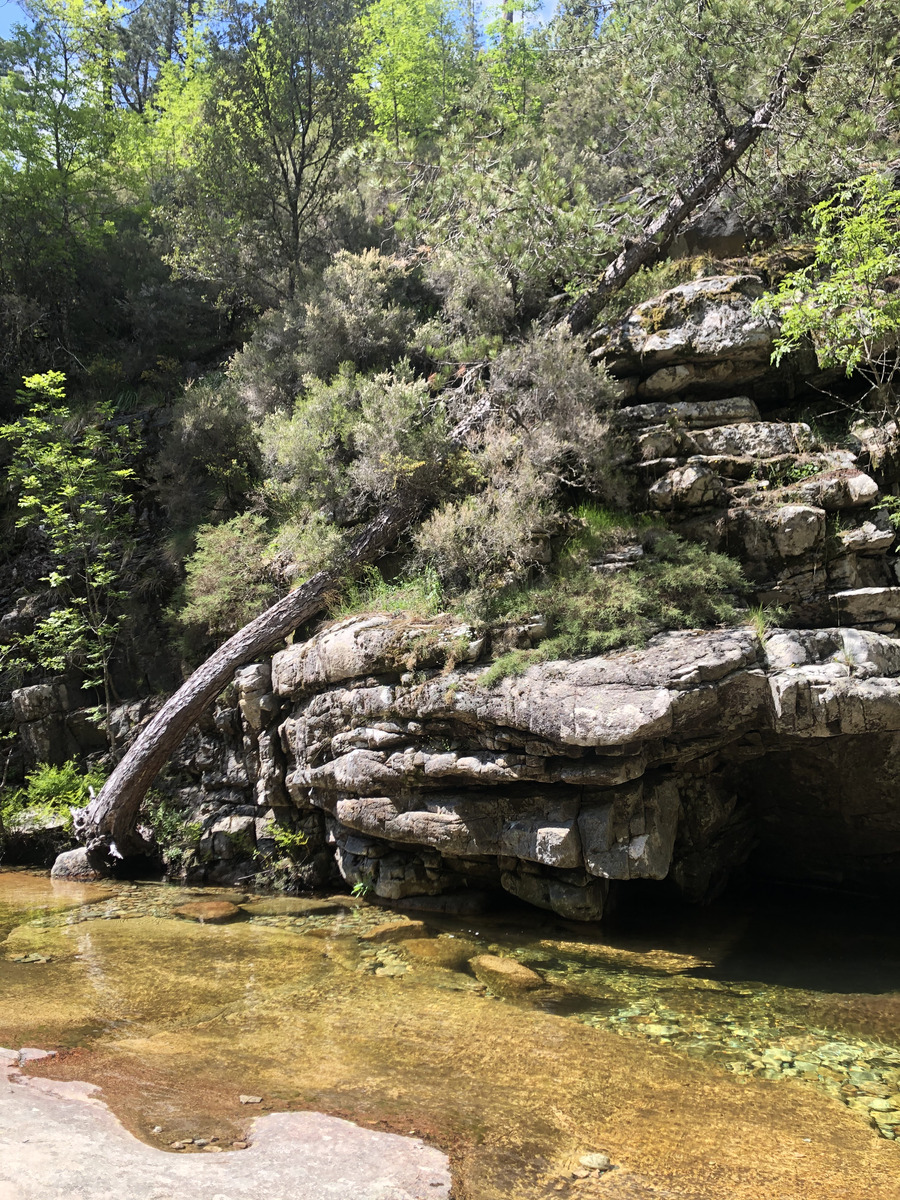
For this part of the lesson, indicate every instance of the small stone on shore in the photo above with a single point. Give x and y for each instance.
(595, 1162)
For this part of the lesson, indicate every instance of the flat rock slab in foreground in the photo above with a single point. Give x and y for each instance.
(58, 1142)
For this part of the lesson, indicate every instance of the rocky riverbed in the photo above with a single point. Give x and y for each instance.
(682, 1061)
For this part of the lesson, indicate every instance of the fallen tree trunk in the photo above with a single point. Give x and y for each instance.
(710, 170)
(107, 825)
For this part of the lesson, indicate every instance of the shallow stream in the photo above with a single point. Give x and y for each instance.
(750, 1050)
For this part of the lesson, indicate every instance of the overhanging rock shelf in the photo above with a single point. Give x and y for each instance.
(673, 760)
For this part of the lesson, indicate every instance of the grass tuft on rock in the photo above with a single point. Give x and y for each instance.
(592, 610)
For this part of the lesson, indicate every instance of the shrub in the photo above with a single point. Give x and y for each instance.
(364, 310)
(229, 579)
(558, 404)
(209, 458)
(351, 443)
(175, 836)
(488, 539)
(675, 585)
(549, 432)
(304, 544)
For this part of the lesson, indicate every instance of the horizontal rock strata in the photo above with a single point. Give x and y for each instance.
(554, 783)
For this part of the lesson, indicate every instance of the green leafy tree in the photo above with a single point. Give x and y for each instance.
(74, 248)
(847, 301)
(73, 483)
(281, 109)
(514, 59)
(412, 64)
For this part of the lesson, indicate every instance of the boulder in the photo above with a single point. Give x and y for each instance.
(865, 606)
(77, 864)
(505, 976)
(697, 377)
(255, 699)
(209, 912)
(873, 536)
(686, 487)
(576, 897)
(704, 323)
(299, 906)
(756, 439)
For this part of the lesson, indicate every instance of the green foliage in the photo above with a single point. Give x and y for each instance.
(784, 474)
(56, 119)
(847, 301)
(511, 212)
(513, 59)
(352, 443)
(364, 310)
(412, 64)
(174, 835)
(50, 792)
(229, 580)
(290, 841)
(509, 665)
(420, 595)
(589, 610)
(280, 109)
(891, 506)
(550, 428)
(765, 617)
(74, 485)
(209, 459)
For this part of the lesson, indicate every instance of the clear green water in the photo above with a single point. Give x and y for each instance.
(777, 1021)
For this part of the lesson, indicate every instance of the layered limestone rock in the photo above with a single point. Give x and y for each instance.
(698, 337)
(578, 773)
(807, 522)
(704, 338)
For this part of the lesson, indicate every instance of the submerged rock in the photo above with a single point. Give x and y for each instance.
(298, 906)
(505, 976)
(395, 931)
(209, 912)
(595, 1162)
(450, 953)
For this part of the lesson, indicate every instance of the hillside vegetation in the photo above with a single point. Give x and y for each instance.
(266, 268)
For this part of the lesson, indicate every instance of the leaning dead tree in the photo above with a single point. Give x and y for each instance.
(108, 824)
(711, 169)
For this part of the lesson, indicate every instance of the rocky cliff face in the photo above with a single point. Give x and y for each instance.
(669, 761)
(675, 761)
